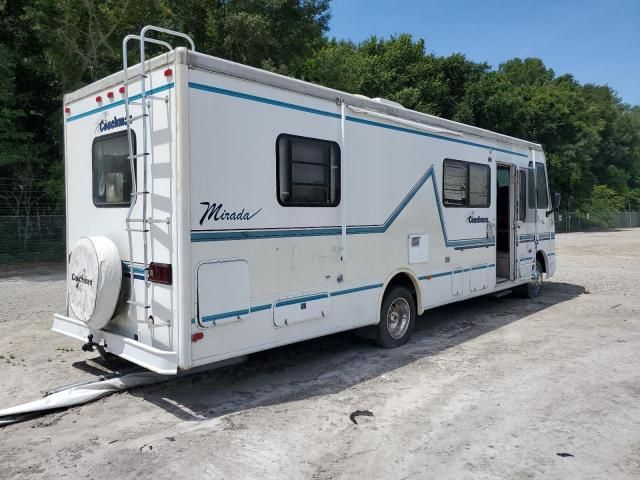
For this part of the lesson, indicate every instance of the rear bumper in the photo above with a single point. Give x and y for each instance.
(156, 360)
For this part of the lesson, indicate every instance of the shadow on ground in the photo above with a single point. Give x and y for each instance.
(334, 363)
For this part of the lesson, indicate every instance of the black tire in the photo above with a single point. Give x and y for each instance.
(535, 287)
(397, 318)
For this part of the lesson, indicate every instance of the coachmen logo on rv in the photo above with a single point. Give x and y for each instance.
(116, 122)
(473, 219)
(217, 212)
(81, 279)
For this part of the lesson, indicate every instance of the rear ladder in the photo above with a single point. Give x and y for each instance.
(144, 221)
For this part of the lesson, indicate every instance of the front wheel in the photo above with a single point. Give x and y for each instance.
(397, 318)
(534, 288)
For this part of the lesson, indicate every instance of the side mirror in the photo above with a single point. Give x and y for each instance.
(555, 205)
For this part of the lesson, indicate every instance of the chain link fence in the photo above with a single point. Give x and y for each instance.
(567, 221)
(42, 237)
(32, 238)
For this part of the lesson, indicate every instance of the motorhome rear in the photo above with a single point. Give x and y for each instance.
(215, 210)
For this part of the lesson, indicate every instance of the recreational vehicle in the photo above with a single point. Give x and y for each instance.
(215, 210)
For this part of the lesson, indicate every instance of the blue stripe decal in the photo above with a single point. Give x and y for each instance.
(444, 274)
(118, 103)
(292, 301)
(222, 235)
(295, 301)
(293, 106)
(355, 290)
(219, 316)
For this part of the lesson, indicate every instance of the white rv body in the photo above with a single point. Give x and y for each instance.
(249, 273)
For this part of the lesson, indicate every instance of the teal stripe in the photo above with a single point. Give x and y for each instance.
(444, 274)
(118, 103)
(223, 235)
(292, 301)
(220, 316)
(293, 106)
(355, 290)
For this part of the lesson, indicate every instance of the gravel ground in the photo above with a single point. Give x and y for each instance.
(487, 388)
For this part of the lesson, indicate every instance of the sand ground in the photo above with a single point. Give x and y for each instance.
(487, 388)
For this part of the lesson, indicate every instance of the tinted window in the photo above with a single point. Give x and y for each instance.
(522, 195)
(542, 200)
(541, 184)
(466, 184)
(112, 170)
(308, 172)
(455, 184)
(479, 192)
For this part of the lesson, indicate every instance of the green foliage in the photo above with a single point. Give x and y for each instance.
(50, 47)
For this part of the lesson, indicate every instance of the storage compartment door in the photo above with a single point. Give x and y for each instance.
(302, 309)
(478, 278)
(223, 291)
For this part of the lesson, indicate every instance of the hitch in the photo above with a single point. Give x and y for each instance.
(91, 345)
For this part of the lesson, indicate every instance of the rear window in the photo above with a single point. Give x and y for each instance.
(112, 170)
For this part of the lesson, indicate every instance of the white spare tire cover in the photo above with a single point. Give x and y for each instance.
(94, 280)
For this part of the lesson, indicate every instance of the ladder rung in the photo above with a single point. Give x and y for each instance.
(138, 155)
(158, 220)
(137, 230)
(138, 304)
(149, 220)
(137, 117)
(135, 103)
(140, 193)
(155, 97)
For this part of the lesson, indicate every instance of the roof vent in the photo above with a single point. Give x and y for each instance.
(391, 103)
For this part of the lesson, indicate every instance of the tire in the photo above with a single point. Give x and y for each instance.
(397, 318)
(535, 287)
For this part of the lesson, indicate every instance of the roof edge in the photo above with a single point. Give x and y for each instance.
(226, 67)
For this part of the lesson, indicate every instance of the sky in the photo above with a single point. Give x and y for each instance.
(595, 41)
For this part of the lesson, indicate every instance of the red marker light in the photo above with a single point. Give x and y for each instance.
(122, 90)
(67, 110)
(99, 99)
(168, 72)
(109, 95)
(160, 273)
(197, 336)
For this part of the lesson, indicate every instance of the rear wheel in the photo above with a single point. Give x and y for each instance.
(397, 318)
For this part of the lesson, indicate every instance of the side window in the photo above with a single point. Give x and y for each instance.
(539, 199)
(308, 172)
(112, 170)
(466, 184)
(541, 185)
(522, 195)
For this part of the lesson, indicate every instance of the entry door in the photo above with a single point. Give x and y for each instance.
(525, 224)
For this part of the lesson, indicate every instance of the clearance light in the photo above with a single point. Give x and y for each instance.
(110, 95)
(122, 90)
(99, 99)
(67, 110)
(197, 336)
(168, 72)
(160, 273)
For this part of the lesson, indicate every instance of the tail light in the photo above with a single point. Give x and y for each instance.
(160, 273)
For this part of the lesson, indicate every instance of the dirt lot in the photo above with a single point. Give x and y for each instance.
(490, 388)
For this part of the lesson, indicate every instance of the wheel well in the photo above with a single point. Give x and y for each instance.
(404, 280)
(540, 257)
